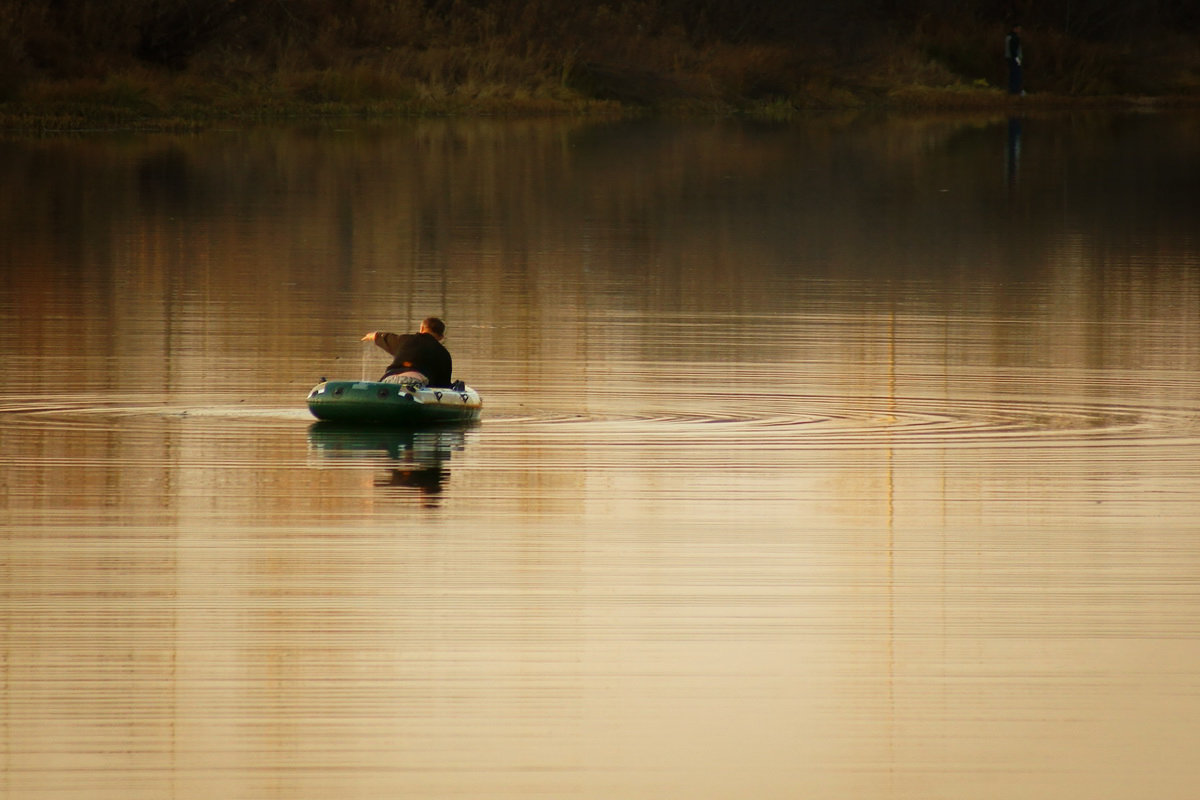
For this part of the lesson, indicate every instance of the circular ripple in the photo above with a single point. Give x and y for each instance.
(86, 412)
(761, 420)
(828, 421)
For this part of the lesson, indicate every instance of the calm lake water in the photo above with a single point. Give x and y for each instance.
(844, 458)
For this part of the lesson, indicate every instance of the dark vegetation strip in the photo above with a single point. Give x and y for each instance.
(82, 63)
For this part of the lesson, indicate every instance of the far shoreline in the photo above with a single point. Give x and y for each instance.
(193, 65)
(141, 114)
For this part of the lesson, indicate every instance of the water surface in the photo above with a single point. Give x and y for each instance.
(841, 458)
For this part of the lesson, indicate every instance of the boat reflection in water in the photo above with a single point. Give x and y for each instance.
(414, 458)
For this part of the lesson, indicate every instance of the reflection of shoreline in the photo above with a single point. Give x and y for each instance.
(418, 455)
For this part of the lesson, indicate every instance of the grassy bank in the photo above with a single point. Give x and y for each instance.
(190, 63)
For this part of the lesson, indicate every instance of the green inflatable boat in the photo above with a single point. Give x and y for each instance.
(394, 403)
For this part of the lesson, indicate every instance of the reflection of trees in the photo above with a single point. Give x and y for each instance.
(228, 206)
(168, 253)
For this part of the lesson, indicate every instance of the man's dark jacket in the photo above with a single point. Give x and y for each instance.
(421, 352)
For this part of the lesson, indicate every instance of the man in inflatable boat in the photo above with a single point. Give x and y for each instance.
(418, 358)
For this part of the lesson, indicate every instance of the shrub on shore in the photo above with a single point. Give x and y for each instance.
(191, 59)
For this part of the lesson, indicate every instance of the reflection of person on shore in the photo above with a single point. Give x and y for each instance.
(419, 357)
(1015, 57)
(1013, 152)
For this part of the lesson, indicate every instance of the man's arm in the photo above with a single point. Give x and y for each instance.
(387, 341)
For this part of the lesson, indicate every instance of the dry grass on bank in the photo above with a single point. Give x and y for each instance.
(312, 58)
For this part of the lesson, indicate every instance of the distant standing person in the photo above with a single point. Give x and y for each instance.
(418, 357)
(1015, 57)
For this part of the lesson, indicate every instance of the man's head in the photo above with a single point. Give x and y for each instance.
(434, 326)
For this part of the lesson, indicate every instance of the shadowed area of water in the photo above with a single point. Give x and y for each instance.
(841, 458)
